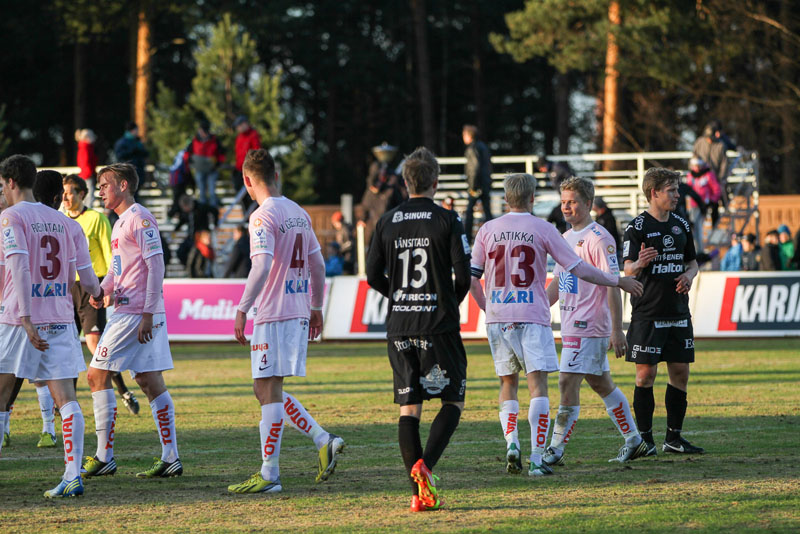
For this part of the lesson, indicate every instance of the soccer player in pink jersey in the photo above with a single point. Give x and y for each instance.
(135, 337)
(286, 283)
(38, 339)
(591, 316)
(512, 251)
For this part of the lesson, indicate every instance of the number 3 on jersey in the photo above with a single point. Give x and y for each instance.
(524, 275)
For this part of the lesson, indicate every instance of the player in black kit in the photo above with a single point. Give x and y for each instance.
(419, 245)
(659, 250)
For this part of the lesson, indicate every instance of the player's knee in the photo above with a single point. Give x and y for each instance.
(602, 385)
(459, 405)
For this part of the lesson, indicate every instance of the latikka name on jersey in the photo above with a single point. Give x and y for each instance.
(525, 237)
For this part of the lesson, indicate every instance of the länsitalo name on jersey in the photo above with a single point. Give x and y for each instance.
(399, 216)
(660, 268)
(411, 242)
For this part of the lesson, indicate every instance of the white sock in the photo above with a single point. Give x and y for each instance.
(271, 430)
(539, 418)
(46, 406)
(163, 411)
(72, 430)
(620, 412)
(509, 412)
(7, 426)
(3, 422)
(298, 418)
(105, 420)
(565, 421)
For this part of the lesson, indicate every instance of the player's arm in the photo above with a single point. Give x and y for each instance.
(256, 279)
(684, 281)
(618, 340)
(376, 264)
(460, 257)
(21, 274)
(477, 264)
(552, 290)
(316, 265)
(635, 256)
(106, 287)
(155, 284)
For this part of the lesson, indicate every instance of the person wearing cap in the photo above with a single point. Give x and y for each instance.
(204, 154)
(711, 147)
(786, 248)
(702, 179)
(247, 138)
(751, 253)
(130, 149)
(771, 252)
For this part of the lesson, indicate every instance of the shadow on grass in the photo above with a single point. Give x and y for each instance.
(371, 466)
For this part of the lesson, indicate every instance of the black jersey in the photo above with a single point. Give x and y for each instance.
(419, 245)
(673, 241)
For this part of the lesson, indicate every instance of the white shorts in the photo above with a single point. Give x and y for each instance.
(524, 347)
(279, 348)
(64, 358)
(119, 348)
(584, 355)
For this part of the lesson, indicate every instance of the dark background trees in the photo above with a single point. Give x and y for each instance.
(353, 74)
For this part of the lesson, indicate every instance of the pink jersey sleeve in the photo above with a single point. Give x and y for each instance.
(13, 235)
(478, 260)
(148, 237)
(560, 249)
(262, 237)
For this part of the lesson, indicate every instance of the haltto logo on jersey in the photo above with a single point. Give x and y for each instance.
(660, 268)
(760, 304)
(50, 290)
(512, 297)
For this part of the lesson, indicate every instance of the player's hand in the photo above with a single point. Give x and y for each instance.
(107, 301)
(98, 302)
(684, 283)
(99, 298)
(315, 325)
(630, 285)
(33, 335)
(619, 343)
(238, 327)
(146, 328)
(646, 255)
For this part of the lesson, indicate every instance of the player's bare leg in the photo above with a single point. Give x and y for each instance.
(46, 406)
(539, 419)
(509, 416)
(7, 381)
(7, 407)
(72, 432)
(675, 401)
(269, 392)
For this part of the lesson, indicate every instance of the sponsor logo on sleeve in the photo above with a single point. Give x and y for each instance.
(465, 244)
(9, 239)
(626, 248)
(5, 221)
(611, 249)
(145, 223)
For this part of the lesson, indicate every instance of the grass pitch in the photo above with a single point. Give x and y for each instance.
(744, 408)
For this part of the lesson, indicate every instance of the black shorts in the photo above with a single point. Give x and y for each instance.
(651, 342)
(427, 367)
(87, 319)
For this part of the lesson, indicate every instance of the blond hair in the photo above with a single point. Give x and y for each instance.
(657, 178)
(519, 188)
(122, 172)
(583, 186)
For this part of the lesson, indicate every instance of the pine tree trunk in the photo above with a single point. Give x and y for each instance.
(611, 89)
(423, 72)
(142, 83)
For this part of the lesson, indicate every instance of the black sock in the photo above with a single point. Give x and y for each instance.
(14, 392)
(644, 404)
(442, 428)
(120, 383)
(675, 401)
(410, 444)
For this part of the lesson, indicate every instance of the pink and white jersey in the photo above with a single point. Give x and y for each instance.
(584, 308)
(134, 238)
(82, 258)
(281, 228)
(512, 251)
(40, 233)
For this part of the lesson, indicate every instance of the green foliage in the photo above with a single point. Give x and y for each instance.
(170, 125)
(297, 174)
(87, 20)
(4, 141)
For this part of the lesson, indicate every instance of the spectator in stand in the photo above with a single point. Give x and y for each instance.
(87, 162)
(771, 253)
(556, 172)
(703, 181)
(685, 190)
(606, 219)
(334, 262)
(795, 264)
(201, 257)
(751, 253)
(711, 148)
(343, 234)
(786, 248)
(130, 149)
(239, 261)
(197, 217)
(732, 261)
(247, 138)
(204, 155)
(478, 171)
(379, 198)
(449, 203)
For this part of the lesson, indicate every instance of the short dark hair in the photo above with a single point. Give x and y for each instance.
(19, 168)
(658, 177)
(420, 170)
(259, 164)
(130, 125)
(123, 172)
(750, 238)
(48, 188)
(78, 182)
(773, 232)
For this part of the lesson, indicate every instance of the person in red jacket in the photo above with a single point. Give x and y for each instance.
(246, 139)
(87, 161)
(204, 155)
